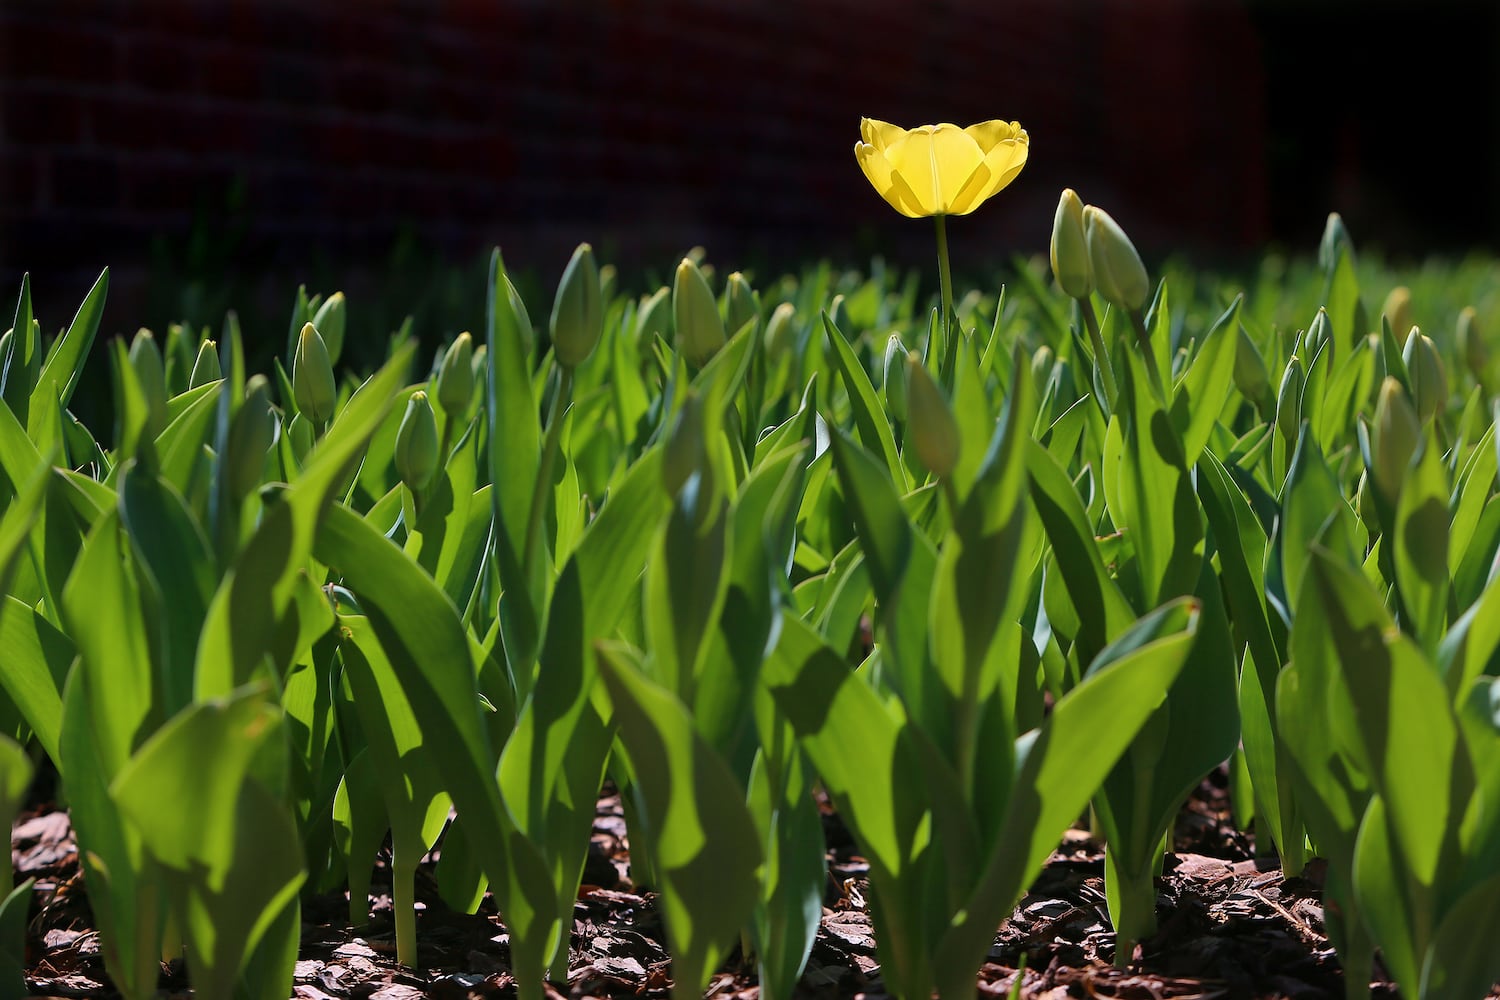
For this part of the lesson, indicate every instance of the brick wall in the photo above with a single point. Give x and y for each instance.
(327, 128)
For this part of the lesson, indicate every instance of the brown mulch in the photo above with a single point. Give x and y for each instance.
(1230, 926)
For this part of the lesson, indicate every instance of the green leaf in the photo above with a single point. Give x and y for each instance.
(1421, 547)
(703, 838)
(1207, 381)
(244, 613)
(16, 374)
(869, 416)
(1103, 612)
(66, 358)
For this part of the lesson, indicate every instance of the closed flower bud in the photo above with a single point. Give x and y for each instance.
(654, 317)
(779, 330)
(1250, 374)
(417, 458)
(1289, 401)
(151, 373)
(894, 384)
(1471, 345)
(700, 331)
(313, 384)
(523, 318)
(331, 319)
(1042, 363)
(684, 449)
(1427, 374)
(250, 435)
(480, 365)
(838, 311)
(1319, 337)
(934, 431)
(1397, 431)
(1118, 272)
(1397, 310)
(578, 310)
(455, 381)
(609, 277)
(206, 367)
(1335, 241)
(1070, 248)
(1364, 503)
(741, 304)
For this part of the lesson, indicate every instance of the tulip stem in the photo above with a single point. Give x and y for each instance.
(1101, 353)
(1138, 320)
(550, 446)
(945, 283)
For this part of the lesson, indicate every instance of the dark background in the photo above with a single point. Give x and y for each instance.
(217, 154)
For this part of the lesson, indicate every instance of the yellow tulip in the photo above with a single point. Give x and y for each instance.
(940, 169)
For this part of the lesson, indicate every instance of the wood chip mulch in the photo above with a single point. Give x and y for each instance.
(1230, 927)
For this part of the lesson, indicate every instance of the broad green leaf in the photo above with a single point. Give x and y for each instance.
(1103, 612)
(1208, 379)
(37, 658)
(1062, 763)
(65, 360)
(704, 843)
(869, 416)
(255, 592)
(1421, 548)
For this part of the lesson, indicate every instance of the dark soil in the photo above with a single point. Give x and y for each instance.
(1230, 926)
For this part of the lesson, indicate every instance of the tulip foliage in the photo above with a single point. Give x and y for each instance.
(971, 576)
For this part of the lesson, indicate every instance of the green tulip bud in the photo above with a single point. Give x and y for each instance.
(578, 310)
(934, 431)
(1397, 310)
(455, 381)
(609, 277)
(838, 311)
(1335, 240)
(313, 384)
(1364, 503)
(151, 373)
(1070, 248)
(1427, 374)
(1042, 363)
(523, 318)
(778, 336)
(331, 318)
(479, 365)
(1289, 401)
(1118, 272)
(206, 367)
(1471, 345)
(1250, 374)
(251, 433)
(1397, 431)
(894, 385)
(741, 304)
(700, 331)
(417, 458)
(653, 317)
(1319, 337)
(684, 450)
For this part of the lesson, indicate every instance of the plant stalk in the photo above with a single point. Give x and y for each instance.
(550, 446)
(1138, 320)
(1101, 353)
(945, 284)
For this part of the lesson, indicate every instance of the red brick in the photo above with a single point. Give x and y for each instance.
(158, 64)
(86, 181)
(229, 71)
(41, 116)
(52, 48)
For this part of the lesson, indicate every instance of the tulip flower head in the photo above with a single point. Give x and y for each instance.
(940, 169)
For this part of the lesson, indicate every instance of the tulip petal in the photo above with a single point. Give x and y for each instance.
(880, 134)
(1003, 162)
(892, 188)
(936, 162)
(990, 134)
